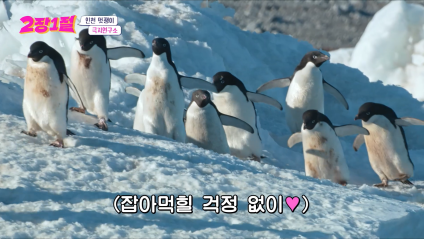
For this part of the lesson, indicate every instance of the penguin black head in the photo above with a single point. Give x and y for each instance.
(313, 117)
(87, 41)
(224, 78)
(367, 110)
(160, 45)
(316, 57)
(38, 50)
(201, 97)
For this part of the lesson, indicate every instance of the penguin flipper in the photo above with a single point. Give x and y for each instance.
(294, 139)
(350, 129)
(238, 123)
(359, 140)
(196, 83)
(121, 52)
(277, 83)
(255, 97)
(136, 78)
(407, 121)
(133, 91)
(185, 116)
(334, 92)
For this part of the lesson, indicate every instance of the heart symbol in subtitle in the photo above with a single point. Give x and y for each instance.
(292, 202)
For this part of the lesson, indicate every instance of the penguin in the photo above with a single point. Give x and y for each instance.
(160, 107)
(204, 124)
(386, 145)
(233, 99)
(46, 93)
(306, 86)
(323, 153)
(90, 69)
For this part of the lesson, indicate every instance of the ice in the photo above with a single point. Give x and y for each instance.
(50, 192)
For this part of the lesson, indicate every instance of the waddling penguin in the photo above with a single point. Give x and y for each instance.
(160, 107)
(233, 99)
(46, 93)
(90, 69)
(323, 153)
(204, 122)
(305, 91)
(386, 144)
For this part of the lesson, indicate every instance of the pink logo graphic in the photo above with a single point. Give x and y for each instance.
(292, 202)
(44, 25)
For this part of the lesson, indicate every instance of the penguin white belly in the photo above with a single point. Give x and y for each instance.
(45, 99)
(204, 129)
(90, 72)
(386, 150)
(323, 153)
(231, 101)
(163, 101)
(305, 93)
(138, 120)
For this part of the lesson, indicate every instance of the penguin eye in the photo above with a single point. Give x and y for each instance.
(91, 42)
(164, 45)
(197, 96)
(222, 81)
(314, 56)
(368, 113)
(41, 51)
(313, 121)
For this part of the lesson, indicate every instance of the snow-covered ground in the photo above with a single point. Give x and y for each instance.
(50, 192)
(394, 45)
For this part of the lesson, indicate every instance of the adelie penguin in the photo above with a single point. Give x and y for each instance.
(386, 144)
(204, 124)
(234, 99)
(323, 153)
(306, 89)
(46, 93)
(160, 107)
(90, 69)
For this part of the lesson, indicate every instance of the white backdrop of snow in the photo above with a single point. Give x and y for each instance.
(391, 49)
(52, 192)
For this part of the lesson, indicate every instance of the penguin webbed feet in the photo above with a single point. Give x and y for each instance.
(383, 184)
(69, 133)
(254, 158)
(102, 125)
(29, 133)
(77, 109)
(406, 181)
(58, 144)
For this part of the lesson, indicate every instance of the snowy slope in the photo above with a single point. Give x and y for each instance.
(69, 192)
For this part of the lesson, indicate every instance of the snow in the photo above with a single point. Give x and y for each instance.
(50, 192)
(392, 48)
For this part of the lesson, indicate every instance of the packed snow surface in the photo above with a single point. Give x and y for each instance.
(50, 192)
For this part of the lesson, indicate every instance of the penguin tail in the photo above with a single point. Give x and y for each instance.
(68, 132)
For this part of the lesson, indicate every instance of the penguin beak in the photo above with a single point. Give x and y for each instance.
(356, 117)
(325, 58)
(30, 55)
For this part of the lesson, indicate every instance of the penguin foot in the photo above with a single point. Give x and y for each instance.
(381, 185)
(406, 181)
(77, 109)
(29, 133)
(255, 158)
(102, 125)
(58, 144)
(343, 183)
(263, 157)
(68, 132)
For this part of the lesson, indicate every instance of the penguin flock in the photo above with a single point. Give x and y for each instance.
(221, 115)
